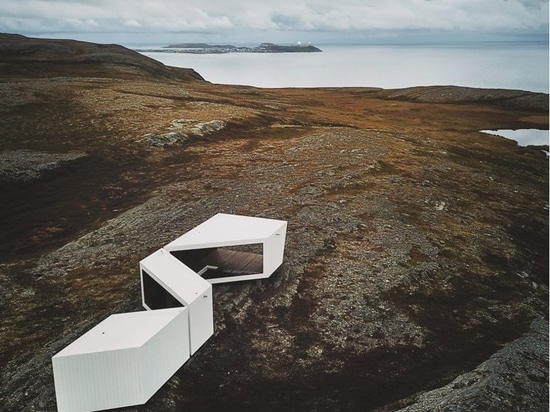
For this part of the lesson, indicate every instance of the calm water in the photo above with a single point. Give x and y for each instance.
(496, 65)
(524, 137)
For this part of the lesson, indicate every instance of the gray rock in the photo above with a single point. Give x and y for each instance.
(513, 379)
(27, 165)
(165, 139)
(183, 129)
(206, 128)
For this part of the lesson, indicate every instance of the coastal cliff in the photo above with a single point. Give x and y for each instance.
(416, 266)
(28, 57)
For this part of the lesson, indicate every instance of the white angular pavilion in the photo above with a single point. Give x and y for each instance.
(122, 361)
(126, 358)
(167, 283)
(230, 248)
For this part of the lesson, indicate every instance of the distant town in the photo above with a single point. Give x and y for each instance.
(204, 48)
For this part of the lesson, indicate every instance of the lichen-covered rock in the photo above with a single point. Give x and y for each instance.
(514, 379)
(25, 165)
(165, 139)
(183, 131)
(206, 128)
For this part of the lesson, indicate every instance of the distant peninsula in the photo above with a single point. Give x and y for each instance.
(204, 48)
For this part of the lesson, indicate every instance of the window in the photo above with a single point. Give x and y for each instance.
(155, 296)
(222, 262)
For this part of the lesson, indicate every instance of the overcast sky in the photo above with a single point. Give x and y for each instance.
(315, 21)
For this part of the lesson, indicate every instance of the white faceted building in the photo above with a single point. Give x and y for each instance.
(229, 248)
(126, 358)
(122, 361)
(167, 283)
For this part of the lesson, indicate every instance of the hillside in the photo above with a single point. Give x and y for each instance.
(416, 264)
(29, 58)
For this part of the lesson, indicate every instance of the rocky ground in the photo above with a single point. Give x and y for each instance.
(416, 265)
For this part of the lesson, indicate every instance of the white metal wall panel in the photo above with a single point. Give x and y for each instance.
(164, 354)
(226, 230)
(182, 283)
(96, 381)
(274, 247)
(201, 320)
(187, 287)
(238, 278)
(105, 367)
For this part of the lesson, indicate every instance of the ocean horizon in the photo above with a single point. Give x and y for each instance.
(506, 65)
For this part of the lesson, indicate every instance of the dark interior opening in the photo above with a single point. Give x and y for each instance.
(155, 296)
(222, 262)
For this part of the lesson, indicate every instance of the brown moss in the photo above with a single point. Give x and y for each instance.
(416, 245)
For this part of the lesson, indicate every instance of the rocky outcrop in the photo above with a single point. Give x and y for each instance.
(454, 94)
(514, 379)
(184, 130)
(203, 129)
(26, 165)
(165, 139)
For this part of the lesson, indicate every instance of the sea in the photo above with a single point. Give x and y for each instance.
(508, 65)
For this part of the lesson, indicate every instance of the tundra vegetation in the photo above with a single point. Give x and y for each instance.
(416, 264)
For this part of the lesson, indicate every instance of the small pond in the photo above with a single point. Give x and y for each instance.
(524, 137)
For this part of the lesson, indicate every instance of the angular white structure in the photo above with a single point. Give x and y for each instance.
(122, 361)
(167, 283)
(125, 359)
(215, 249)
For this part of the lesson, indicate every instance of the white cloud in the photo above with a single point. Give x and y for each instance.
(32, 16)
(131, 23)
(416, 14)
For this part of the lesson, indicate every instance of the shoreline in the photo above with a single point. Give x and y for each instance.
(365, 66)
(203, 48)
(523, 137)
